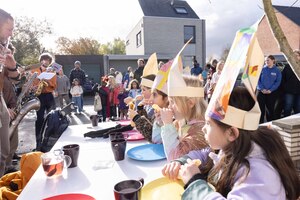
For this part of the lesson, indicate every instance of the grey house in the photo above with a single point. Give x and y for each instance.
(164, 28)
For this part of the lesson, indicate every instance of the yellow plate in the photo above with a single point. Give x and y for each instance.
(163, 188)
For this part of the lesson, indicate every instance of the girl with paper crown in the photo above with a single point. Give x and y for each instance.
(253, 162)
(187, 105)
(143, 105)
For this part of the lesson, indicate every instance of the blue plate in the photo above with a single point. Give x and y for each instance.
(147, 152)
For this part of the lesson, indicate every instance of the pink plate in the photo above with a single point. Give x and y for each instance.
(71, 196)
(133, 135)
(124, 122)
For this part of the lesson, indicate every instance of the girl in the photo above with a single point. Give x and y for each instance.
(214, 79)
(250, 164)
(113, 96)
(76, 92)
(190, 112)
(122, 105)
(134, 90)
(103, 92)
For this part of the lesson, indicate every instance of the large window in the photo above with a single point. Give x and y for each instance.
(139, 39)
(189, 31)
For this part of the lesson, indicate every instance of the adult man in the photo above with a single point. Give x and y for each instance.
(78, 73)
(46, 97)
(196, 69)
(137, 74)
(8, 64)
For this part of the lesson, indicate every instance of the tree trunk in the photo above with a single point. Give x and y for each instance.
(284, 46)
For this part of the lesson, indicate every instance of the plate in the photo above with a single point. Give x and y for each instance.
(133, 135)
(71, 196)
(163, 188)
(124, 122)
(147, 152)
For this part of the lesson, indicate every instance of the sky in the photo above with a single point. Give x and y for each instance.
(105, 20)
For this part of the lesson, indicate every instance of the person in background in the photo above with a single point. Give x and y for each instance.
(119, 77)
(134, 89)
(139, 71)
(112, 72)
(46, 97)
(76, 92)
(78, 73)
(196, 69)
(291, 86)
(205, 72)
(268, 83)
(127, 77)
(123, 108)
(63, 88)
(103, 92)
(113, 96)
(214, 79)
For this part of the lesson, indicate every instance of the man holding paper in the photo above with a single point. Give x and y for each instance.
(48, 79)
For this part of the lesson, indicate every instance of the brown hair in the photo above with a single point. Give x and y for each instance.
(4, 16)
(236, 152)
(46, 56)
(133, 81)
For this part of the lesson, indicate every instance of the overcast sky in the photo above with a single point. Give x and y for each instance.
(105, 20)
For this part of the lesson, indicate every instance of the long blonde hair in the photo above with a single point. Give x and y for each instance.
(198, 111)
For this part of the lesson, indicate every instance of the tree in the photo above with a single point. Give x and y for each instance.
(225, 53)
(117, 47)
(81, 46)
(280, 37)
(26, 39)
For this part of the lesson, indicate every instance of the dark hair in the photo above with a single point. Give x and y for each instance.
(46, 56)
(4, 16)
(235, 154)
(133, 81)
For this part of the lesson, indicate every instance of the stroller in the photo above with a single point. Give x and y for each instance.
(55, 123)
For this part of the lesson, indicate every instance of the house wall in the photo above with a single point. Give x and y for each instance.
(266, 39)
(131, 48)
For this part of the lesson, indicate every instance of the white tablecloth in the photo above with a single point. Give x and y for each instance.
(85, 178)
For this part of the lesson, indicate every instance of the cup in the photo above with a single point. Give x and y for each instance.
(55, 162)
(94, 119)
(116, 135)
(128, 190)
(72, 150)
(118, 147)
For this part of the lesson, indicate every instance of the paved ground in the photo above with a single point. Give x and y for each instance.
(27, 127)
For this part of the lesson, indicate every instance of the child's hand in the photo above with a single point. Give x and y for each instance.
(188, 170)
(171, 170)
(139, 97)
(166, 115)
(131, 113)
(127, 100)
(158, 118)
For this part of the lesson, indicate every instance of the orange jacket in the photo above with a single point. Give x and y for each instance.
(51, 83)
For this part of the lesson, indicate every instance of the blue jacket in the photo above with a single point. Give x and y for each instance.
(196, 70)
(270, 79)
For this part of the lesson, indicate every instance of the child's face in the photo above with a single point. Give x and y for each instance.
(146, 92)
(172, 105)
(134, 85)
(214, 135)
(158, 99)
(76, 82)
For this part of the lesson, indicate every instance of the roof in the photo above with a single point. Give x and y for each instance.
(167, 8)
(293, 13)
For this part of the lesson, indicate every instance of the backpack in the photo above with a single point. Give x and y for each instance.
(54, 125)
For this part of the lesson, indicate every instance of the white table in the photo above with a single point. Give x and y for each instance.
(84, 179)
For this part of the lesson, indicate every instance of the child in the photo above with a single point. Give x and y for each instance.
(103, 92)
(123, 108)
(250, 165)
(189, 110)
(113, 96)
(76, 92)
(134, 89)
(63, 87)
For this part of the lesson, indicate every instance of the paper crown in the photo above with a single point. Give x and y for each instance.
(150, 68)
(160, 82)
(245, 55)
(176, 83)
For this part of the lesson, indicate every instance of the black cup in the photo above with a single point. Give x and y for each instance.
(116, 135)
(94, 119)
(118, 147)
(128, 190)
(72, 150)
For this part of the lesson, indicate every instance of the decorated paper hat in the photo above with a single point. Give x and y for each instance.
(176, 83)
(245, 56)
(150, 68)
(160, 82)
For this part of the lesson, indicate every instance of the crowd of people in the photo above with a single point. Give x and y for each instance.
(237, 162)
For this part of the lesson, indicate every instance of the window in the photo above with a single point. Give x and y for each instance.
(181, 10)
(139, 39)
(189, 31)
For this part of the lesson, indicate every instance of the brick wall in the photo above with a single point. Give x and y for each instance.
(266, 39)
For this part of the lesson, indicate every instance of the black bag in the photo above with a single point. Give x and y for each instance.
(54, 125)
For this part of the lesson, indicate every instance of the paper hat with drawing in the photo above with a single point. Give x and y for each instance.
(176, 83)
(245, 57)
(160, 82)
(150, 68)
